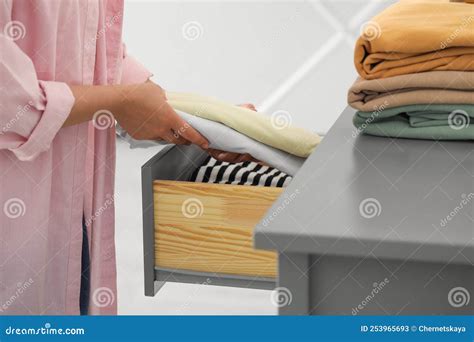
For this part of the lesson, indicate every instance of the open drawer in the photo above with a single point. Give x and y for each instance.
(200, 232)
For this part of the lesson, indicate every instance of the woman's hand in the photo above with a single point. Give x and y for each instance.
(146, 115)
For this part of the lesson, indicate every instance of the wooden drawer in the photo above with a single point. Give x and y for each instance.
(208, 227)
(198, 232)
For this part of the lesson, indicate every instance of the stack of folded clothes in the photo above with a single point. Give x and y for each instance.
(416, 67)
(231, 128)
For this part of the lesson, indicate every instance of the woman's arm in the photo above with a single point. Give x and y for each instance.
(141, 109)
(137, 104)
(32, 111)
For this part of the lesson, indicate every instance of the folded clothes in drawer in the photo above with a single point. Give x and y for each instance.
(240, 130)
(204, 227)
(245, 173)
(227, 139)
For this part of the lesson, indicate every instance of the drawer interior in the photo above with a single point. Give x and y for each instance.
(209, 227)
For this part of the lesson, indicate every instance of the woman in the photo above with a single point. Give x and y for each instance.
(65, 78)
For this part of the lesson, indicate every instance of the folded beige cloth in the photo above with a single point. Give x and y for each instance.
(263, 128)
(434, 87)
(417, 36)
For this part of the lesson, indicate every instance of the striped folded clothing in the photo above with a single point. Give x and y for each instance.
(246, 173)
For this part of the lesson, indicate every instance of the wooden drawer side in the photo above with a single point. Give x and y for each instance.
(209, 227)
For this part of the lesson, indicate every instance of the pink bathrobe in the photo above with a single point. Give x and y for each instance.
(50, 176)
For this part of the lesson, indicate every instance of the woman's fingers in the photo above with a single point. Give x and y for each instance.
(174, 138)
(248, 106)
(247, 157)
(230, 157)
(180, 132)
(223, 156)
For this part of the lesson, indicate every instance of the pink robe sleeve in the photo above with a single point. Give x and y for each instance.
(31, 111)
(132, 70)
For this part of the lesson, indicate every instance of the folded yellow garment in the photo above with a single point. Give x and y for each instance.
(258, 126)
(417, 36)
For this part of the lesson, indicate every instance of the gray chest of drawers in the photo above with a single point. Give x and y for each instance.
(376, 226)
(369, 225)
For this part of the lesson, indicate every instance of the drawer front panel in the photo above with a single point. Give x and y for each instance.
(209, 227)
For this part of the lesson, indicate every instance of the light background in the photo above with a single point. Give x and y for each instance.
(295, 56)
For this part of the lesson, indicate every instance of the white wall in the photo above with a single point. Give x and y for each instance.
(281, 55)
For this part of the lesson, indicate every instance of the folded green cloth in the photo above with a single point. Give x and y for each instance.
(420, 121)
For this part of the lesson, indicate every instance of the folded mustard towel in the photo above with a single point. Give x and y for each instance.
(436, 87)
(260, 127)
(417, 36)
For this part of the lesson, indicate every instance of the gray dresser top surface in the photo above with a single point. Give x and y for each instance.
(360, 195)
